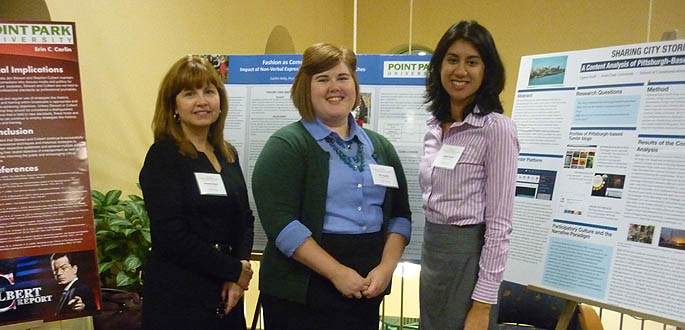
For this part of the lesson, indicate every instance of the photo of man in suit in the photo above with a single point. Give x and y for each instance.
(76, 296)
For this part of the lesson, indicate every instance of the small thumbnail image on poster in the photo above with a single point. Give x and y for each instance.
(535, 184)
(220, 63)
(608, 185)
(547, 71)
(362, 112)
(672, 238)
(641, 233)
(580, 157)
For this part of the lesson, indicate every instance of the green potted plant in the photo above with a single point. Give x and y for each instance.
(122, 230)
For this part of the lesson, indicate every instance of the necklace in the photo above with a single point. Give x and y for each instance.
(357, 162)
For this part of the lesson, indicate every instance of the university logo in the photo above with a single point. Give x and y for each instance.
(3, 294)
(405, 69)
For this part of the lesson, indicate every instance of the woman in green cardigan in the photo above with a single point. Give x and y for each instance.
(334, 234)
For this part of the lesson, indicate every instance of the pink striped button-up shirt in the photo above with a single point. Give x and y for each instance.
(479, 189)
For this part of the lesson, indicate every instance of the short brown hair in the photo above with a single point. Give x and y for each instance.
(316, 59)
(187, 73)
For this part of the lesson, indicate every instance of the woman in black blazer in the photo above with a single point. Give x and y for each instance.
(195, 193)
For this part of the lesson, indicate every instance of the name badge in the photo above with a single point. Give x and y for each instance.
(383, 175)
(448, 156)
(210, 184)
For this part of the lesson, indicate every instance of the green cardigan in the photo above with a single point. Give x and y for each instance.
(290, 181)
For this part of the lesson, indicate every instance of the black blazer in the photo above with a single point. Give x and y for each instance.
(184, 271)
(81, 290)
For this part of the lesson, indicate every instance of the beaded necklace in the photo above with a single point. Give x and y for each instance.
(357, 162)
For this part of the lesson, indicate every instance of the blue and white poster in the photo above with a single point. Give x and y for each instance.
(392, 94)
(599, 201)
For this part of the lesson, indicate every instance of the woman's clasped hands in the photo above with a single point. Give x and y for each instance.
(231, 292)
(352, 285)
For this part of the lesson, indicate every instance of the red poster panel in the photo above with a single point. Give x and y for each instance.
(45, 204)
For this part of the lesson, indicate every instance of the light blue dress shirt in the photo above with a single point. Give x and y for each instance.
(353, 202)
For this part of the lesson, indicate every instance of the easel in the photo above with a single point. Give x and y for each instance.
(573, 301)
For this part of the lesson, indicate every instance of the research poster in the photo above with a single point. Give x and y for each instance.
(600, 194)
(48, 267)
(392, 89)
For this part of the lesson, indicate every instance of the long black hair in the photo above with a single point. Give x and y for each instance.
(487, 96)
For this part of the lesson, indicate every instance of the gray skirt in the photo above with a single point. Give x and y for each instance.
(449, 271)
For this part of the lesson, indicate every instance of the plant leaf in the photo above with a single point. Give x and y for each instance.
(104, 234)
(125, 279)
(146, 235)
(99, 223)
(111, 245)
(121, 222)
(112, 197)
(113, 208)
(136, 209)
(132, 262)
(127, 232)
(104, 266)
(97, 196)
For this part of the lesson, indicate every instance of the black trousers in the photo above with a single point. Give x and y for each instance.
(326, 307)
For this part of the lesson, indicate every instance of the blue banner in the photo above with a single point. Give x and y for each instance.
(371, 69)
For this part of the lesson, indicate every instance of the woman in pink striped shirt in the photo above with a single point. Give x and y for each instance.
(467, 177)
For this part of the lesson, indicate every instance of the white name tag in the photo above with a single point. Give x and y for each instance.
(448, 156)
(383, 175)
(210, 184)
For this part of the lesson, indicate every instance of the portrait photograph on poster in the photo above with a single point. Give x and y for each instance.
(50, 287)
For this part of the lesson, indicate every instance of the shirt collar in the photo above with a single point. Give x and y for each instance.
(471, 119)
(318, 130)
(70, 284)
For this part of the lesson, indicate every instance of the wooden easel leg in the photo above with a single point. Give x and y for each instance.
(566, 315)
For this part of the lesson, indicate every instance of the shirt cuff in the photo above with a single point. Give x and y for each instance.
(486, 291)
(400, 226)
(291, 237)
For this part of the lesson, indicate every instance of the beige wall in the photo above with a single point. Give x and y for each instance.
(521, 27)
(125, 47)
(666, 16)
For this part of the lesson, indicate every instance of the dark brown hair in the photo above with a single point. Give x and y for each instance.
(487, 96)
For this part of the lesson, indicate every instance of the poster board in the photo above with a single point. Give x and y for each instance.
(599, 205)
(45, 203)
(392, 91)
